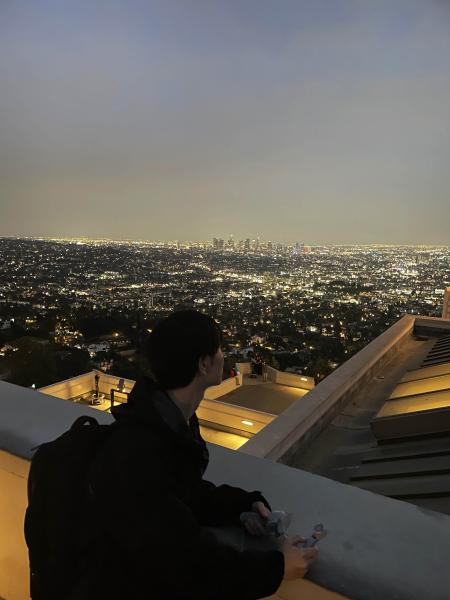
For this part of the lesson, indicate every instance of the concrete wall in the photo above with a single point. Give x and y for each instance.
(107, 382)
(376, 547)
(290, 379)
(232, 418)
(28, 418)
(227, 386)
(82, 384)
(308, 416)
(431, 326)
(280, 377)
(69, 388)
(244, 367)
(14, 574)
(446, 305)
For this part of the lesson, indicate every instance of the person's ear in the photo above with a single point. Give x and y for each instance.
(203, 365)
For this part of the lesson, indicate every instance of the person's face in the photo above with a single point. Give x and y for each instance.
(217, 366)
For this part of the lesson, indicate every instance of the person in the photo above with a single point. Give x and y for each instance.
(252, 364)
(155, 510)
(264, 371)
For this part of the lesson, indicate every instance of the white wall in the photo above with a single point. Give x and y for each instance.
(107, 382)
(244, 368)
(227, 386)
(82, 384)
(28, 418)
(69, 388)
(290, 379)
(14, 573)
(215, 413)
(446, 305)
(376, 549)
(355, 558)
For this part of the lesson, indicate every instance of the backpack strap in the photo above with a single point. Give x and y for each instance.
(81, 421)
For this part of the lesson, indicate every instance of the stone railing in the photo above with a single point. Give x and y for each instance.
(83, 384)
(70, 388)
(308, 416)
(244, 367)
(355, 542)
(230, 417)
(227, 386)
(291, 379)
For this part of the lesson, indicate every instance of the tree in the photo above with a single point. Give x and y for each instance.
(72, 362)
(320, 368)
(274, 362)
(33, 362)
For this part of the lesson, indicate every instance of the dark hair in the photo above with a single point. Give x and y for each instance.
(177, 343)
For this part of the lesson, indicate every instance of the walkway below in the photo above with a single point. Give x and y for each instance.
(266, 397)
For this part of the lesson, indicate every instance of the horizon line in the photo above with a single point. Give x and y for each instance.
(209, 241)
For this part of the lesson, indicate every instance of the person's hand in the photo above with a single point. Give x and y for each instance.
(297, 560)
(254, 526)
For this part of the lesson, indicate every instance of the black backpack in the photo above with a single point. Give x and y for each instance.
(60, 519)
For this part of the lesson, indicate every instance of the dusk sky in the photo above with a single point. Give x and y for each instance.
(322, 121)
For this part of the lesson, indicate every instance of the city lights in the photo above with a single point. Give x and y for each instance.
(306, 311)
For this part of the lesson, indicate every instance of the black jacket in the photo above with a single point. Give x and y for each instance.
(153, 506)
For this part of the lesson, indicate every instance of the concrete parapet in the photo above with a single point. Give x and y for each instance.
(364, 555)
(227, 386)
(232, 418)
(307, 417)
(108, 382)
(245, 368)
(83, 384)
(290, 379)
(446, 305)
(14, 573)
(70, 388)
(431, 325)
(376, 548)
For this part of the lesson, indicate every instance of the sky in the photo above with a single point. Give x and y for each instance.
(319, 121)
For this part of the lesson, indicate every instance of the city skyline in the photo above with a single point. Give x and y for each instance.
(313, 121)
(209, 242)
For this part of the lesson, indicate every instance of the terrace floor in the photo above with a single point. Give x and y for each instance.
(267, 397)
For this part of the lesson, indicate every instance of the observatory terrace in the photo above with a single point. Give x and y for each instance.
(377, 547)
